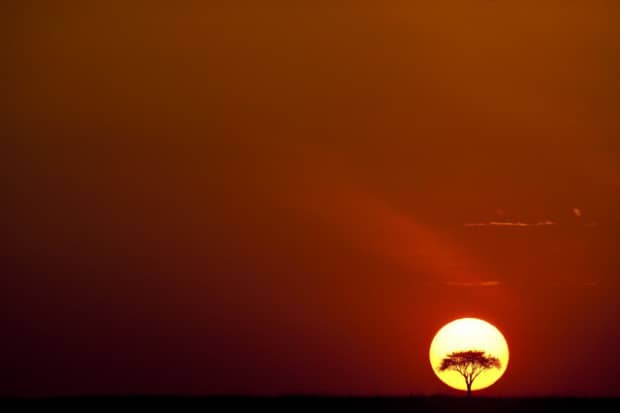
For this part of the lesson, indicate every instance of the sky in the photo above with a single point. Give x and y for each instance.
(266, 198)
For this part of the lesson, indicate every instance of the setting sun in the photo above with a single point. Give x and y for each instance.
(464, 337)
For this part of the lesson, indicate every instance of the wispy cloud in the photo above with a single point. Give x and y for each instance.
(471, 283)
(510, 224)
(370, 223)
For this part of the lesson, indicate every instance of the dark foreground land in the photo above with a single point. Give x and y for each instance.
(325, 404)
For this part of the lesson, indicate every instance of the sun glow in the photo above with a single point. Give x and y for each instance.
(467, 334)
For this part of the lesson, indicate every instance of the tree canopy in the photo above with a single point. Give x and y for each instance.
(469, 364)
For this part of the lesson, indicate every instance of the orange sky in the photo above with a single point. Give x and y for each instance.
(267, 199)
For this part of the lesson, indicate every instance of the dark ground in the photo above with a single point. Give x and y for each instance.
(320, 404)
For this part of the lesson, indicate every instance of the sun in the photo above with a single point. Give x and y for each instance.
(466, 334)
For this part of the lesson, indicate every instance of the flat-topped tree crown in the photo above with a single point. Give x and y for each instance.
(469, 364)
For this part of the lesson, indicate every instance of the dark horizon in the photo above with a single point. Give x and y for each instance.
(271, 198)
(367, 403)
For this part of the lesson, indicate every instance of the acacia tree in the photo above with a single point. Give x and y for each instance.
(469, 364)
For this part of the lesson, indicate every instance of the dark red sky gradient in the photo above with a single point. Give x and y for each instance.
(261, 198)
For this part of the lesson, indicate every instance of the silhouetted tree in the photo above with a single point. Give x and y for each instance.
(469, 364)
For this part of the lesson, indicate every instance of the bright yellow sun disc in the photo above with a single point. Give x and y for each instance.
(466, 335)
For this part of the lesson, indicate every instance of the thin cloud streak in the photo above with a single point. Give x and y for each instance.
(509, 224)
(472, 284)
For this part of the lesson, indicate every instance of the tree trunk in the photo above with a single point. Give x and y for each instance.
(468, 389)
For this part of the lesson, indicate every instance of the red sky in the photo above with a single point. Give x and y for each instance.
(268, 199)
